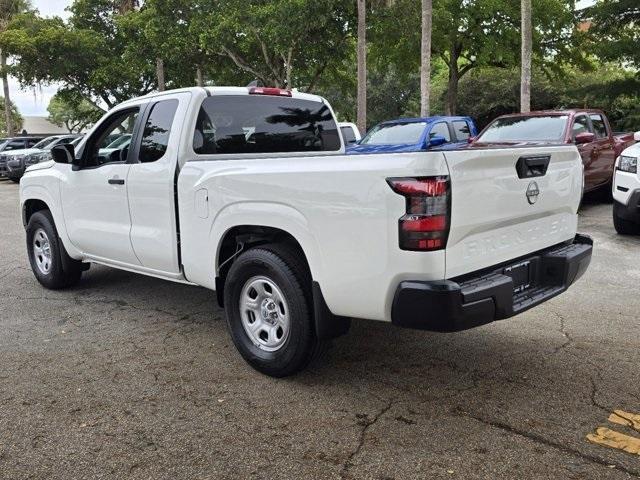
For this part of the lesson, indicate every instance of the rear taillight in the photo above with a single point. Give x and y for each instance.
(425, 226)
(278, 92)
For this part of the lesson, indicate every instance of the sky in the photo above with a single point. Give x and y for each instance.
(34, 101)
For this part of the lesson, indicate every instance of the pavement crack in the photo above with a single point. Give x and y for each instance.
(563, 331)
(366, 423)
(550, 443)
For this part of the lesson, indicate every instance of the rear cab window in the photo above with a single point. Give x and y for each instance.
(462, 130)
(599, 127)
(348, 135)
(252, 124)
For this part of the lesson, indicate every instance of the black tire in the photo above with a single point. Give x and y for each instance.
(63, 271)
(284, 268)
(15, 179)
(623, 226)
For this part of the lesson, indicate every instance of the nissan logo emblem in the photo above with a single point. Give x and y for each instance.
(532, 193)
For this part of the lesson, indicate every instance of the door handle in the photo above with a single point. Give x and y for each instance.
(116, 181)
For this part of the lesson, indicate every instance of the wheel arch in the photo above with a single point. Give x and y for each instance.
(240, 238)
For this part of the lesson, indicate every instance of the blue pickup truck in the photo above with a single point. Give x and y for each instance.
(415, 134)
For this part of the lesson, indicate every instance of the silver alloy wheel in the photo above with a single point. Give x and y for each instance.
(42, 251)
(264, 313)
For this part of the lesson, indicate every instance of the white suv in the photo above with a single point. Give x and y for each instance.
(626, 190)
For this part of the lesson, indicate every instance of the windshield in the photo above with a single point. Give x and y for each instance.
(394, 133)
(42, 144)
(120, 142)
(519, 129)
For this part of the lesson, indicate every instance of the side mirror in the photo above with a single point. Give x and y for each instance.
(436, 140)
(584, 137)
(63, 154)
(636, 136)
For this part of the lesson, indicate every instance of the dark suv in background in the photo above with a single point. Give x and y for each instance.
(14, 143)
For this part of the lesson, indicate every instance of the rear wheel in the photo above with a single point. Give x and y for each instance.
(49, 260)
(269, 310)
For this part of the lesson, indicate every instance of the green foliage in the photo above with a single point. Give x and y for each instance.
(88, 55)
(285, 43)
(71, 110)
(615, 30)
(489, 92)
(16, 118)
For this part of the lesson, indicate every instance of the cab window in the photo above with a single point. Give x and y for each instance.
(155, 138)
(111, 142)
(441, 129)
(463, 132)
(580, 125)
(599, 127)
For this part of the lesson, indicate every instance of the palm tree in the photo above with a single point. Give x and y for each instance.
(8, 10)
(526, 51)
(362, 67)
(425, 57)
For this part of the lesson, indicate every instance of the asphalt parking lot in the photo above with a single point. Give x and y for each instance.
(132, 377)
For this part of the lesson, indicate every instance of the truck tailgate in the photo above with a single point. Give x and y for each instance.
(504, 204)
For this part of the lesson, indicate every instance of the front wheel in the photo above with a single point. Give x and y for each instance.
(624, 226)
(269, 314)
(49, 260)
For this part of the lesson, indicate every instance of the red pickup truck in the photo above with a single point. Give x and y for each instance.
(588, 129)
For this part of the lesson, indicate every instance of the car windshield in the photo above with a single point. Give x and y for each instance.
(42, 144)
(120, 141)
(394, 133)
(525, 128)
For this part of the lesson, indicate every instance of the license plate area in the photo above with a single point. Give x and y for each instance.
(520, 273)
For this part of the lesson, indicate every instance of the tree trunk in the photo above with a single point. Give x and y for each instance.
(199, 77)
(452, 88)
(7, 100)
(160, 74)
(526, 47)
(362, 67)
(425, 58)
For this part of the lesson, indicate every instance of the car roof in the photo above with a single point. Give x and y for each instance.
(547, 113)
(435, 118)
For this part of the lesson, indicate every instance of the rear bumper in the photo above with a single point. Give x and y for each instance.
(630, 211)
(482, 297)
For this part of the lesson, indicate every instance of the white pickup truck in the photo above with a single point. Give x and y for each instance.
(247, 191)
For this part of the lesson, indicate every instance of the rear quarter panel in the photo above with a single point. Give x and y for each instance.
(339, 208)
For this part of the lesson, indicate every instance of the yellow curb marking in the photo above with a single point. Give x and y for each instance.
(627, 419)
(610, 438)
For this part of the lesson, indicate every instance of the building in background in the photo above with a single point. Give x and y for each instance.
(33, 125)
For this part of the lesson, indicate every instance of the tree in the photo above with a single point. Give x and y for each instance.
(91, 54)
(361, 120)
(525, 57)
(16, 118)
(425, 57)
(614, 28)
(8, 10)
(275, 42)
(75, 113)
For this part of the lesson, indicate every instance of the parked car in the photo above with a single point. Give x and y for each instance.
(415, 135)
(112, 149)
(246, 191)
(350, 132)
(626, 190)
(18, 160)
(588, 129)
(11, 144)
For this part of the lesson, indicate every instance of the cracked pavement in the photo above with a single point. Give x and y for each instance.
(132, 377)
